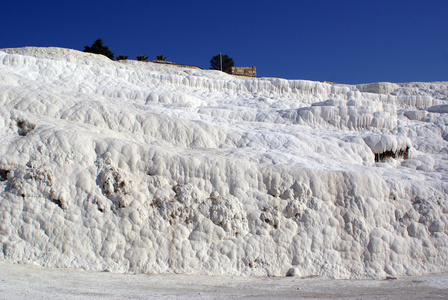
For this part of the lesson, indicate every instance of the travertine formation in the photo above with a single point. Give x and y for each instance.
(152, 168)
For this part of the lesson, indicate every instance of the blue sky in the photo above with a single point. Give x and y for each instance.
(345, 41)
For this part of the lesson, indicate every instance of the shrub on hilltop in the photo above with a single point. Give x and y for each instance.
(122, 57)
(142, 58)
(99, 48)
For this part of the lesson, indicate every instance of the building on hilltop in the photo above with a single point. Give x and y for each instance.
(244, 71)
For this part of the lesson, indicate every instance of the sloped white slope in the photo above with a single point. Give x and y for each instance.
(140, 167)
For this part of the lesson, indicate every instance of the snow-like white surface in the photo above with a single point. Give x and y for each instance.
(147, 168)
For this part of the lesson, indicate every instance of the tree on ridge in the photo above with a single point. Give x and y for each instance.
(227, 63)
(99, 48)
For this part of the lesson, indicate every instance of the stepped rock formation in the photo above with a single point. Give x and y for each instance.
(150, 168)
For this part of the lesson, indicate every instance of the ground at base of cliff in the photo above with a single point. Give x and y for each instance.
(32, 282)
